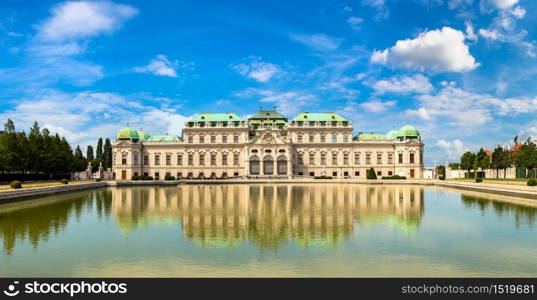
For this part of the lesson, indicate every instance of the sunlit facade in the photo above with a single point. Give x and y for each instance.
(268, 145)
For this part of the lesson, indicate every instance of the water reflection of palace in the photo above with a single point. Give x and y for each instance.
(268, 215)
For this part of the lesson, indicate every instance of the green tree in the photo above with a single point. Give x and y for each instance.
(371, 174)
(107, 154)
(467, 161)
(99, 150)
(79, 162)
(455, 166)
(89, 153)
(527, 157)
(497, 160)
(483, 160)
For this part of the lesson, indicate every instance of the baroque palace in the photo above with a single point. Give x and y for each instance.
(222, 145)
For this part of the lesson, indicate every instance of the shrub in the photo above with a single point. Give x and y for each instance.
(479, 179)
(371, 174)
(169, 177)
(97, 179)
(147, 178)
(15, 184)
(64, 181)
(136, 177)
(322, 177)
(394, 177)
(532, 182)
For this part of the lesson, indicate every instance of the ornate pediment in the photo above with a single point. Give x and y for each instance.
(269, 138)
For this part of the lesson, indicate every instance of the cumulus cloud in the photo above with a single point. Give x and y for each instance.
(502, 4)
(441, 50)
(319, 41)
(377, 106)
(467, 108)
(160, 66)
(405, 84)
(453, 149)
(82, 19)
(258, 70)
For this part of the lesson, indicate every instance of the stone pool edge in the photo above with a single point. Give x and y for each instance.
(28, 193)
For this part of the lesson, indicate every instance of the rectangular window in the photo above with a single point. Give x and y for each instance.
(157, 175)
(312, 138)
(202, 159)
(157, 160)
(390, 158)
(300, 159)
(213, 139)
(356, 158)
(135, 158)
(179, 175)
(224, 159)
(168, 159)
(190, 139)
(236, 159)
(411, 158)
(236, 139)
(334, 138)
(312, 158)
(299, 138)
(356, 173)
(323, 159)
(334, 158)
(400, 158)
(379, 158)
(390, 173)
(146, 160)
(224, 139)
(345, 158)
(213, 159)
(368, 158)
(345, 138)
(191, 159)
(334, 174)
(323, 138)
(312, 174)
(202, 139)
(124, 159)
(179, 159)
(379, 173)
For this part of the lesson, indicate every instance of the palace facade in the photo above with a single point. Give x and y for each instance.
(222, 145)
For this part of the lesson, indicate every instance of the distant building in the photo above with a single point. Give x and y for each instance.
(268, 145)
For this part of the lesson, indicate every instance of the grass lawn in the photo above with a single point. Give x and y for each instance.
(36, 185)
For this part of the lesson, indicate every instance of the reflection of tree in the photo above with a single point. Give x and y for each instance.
(521, 213)
(37, 220)
(269, 215)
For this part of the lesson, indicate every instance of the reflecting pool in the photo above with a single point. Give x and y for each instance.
(270, 230)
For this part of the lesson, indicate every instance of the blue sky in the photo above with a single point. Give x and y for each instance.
(461, 71)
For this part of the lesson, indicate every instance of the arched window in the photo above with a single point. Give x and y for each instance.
(254, 165)
(268, 165)
(282, 165)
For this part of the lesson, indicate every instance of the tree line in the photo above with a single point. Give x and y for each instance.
(40, 154)
(501, 159)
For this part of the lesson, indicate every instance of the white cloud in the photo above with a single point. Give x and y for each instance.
(288, 103)
(453, 149)
(490, 35)
(160, 66)
(381, 7)
(518, 12)
(258, 70)
(421, 113)
(82, 19)
(405, 84)
(503, 4)
(467, 108)
(347, 9)
(452, 4)
(355, 22)
(319, 41)
(160, 121)
(377, 106)
(440, 50)
(470, 34)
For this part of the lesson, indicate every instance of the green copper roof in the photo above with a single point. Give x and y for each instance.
(327, 116)
(371, 137)
(392, 135)
(267, 114)
(408, 130)
(210, 117)
(127, 133)
(165, 138)
(143, 136)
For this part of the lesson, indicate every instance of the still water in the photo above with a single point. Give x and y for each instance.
(335, 230)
